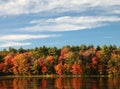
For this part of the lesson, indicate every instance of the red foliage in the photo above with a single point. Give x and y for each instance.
(94, 61)
(98, 54)
(8, 60)
(1, 66)
(44, 69)
(40, 62)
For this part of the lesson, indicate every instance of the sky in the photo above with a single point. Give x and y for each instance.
(34, 23)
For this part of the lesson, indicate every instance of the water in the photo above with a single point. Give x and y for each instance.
(59, 83)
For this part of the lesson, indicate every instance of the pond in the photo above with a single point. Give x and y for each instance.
(59, 83)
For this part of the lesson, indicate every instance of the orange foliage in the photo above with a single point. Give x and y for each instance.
(65, 53)
(18, 60)
(76, 69)
(8, 60)
(49, 59)
(58, 68)
(66, 66)
(21, 63)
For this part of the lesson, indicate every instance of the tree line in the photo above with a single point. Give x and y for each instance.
(68, 60)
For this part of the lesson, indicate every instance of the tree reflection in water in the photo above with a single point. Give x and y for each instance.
(59, 83)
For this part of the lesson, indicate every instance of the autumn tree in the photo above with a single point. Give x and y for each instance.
(8, 63)
(81, 59)
(58, 69)
(50, 64)
(76, 68)
(114, 64)
(22, 63)
(105, 57)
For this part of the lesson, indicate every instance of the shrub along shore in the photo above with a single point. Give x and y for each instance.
(68, 61)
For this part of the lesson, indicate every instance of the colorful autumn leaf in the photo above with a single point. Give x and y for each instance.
(76, 69)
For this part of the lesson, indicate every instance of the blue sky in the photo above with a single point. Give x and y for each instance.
(31, 23)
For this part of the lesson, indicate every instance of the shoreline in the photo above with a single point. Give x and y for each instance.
(57, 76)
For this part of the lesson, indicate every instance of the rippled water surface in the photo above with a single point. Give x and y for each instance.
(59, 83)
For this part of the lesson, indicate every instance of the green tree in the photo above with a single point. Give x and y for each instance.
(75, 48)
(12, 50)
(21, 50)
(98, 48)
(43, 51)
(83, 47)
(53, 51)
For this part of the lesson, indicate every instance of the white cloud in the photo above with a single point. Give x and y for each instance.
(16, 7)
(60, 27)
(116, 11)
(18, 39)
(82, 19)
(69, 23)
(10, 44)
(21, 37)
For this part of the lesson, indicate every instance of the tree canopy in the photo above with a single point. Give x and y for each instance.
(83, 59)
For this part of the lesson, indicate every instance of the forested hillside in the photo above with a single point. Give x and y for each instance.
(68, 60)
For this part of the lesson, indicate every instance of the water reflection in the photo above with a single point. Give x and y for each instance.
(59, 83)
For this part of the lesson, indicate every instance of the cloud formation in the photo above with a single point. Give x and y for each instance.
(16, 39)
(21, 37)
(52, 16)
(10, 44)
(106, 12)
(17, 7)
(70, 23)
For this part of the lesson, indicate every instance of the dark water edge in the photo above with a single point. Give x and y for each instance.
(59, 82)
(8, 76)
